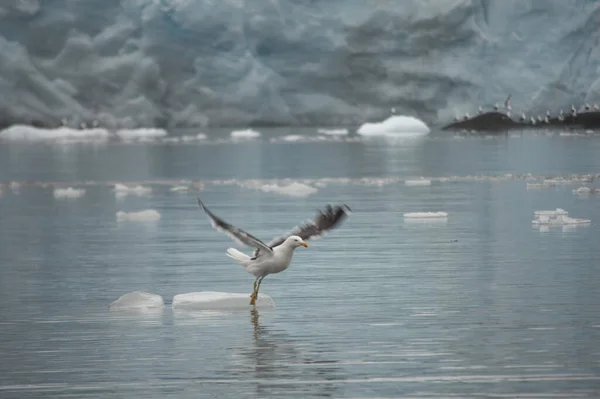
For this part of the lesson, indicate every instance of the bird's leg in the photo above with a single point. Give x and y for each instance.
(254, 292)
(254, 295)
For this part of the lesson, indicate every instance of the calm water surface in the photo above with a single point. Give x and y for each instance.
(480, 305)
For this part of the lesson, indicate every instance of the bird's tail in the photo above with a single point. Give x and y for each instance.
(237, 255)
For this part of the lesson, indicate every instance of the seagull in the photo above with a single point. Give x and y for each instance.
(275, 256)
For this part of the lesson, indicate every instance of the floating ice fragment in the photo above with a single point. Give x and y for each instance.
(142, 134)
(419, 182)
(426, 215)
(198, 137)
(137, 300)
(122, 190)
(210, 300)
(30, 133)
(141, 216)
(293, 137)
(14, 186)
(586, 191)
(557, 212)
(395, 126)
(293, 190)
(245, 134)
(540, 185)
(69, 192)
(333, 132)
(179, 188)
(556, 218)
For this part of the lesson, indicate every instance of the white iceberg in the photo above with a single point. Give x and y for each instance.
(211, 300)
(137, 300)
(245, 134)
(294, 189)
(122, 190)
(395, 126)
(30, 133)
(426, 215)
(69, 192)
(418, 182)
(141, 216)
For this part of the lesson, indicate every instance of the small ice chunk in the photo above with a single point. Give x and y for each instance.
(395, 126)
(14, 186)
(557, 212)
(333, 132)
(198, 137)
(558, 220)
(419, 182)
(122, 190)
(69, 192)
(179, 188)
(142, 134)
(426, 215)
(293, 137)
(141, 216)
(540, 185)
(137, 300)
(245, 134)
(210, 300)
(586, 191)
(294, 189)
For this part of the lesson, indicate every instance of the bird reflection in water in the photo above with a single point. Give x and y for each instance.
(273, 357)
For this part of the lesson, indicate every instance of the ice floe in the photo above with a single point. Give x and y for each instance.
(245, 134)
(395, 126)
(426, 215)
(141, 216)
(69, 192)
(333, 132)
(210, 300)
(30, 133)
(121, 190)
(179, 188)
(418, 182)
(586, 191)
(293, 189)
(558, 217)
(142, 134)
(137, 300)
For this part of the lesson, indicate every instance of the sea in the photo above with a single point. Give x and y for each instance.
(489, 301)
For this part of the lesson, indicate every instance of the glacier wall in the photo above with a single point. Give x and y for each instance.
(168, 63)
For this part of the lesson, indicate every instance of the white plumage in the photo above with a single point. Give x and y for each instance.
(275, 256)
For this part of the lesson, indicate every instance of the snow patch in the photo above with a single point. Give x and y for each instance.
(210, 300)
(69, 192)
(395, 126)
(137, 300)
(141, 216)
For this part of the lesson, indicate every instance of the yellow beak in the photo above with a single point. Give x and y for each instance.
(305, 245)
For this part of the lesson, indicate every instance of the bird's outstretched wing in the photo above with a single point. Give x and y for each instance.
(236, 234)
(325, 220)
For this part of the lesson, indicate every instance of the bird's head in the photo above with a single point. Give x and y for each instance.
(295, 241)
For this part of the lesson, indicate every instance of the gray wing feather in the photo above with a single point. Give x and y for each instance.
(233, 232)
(325, 220)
